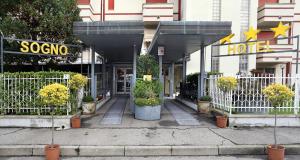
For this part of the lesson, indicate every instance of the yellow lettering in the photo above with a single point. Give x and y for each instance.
(241, 48)
(35, 49)
(63, 50)
(259, 46)
(45, 48)
(54, 48)
(231, 48)
(24, 46)
(250, 46)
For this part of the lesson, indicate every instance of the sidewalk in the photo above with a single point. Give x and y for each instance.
(148, 141)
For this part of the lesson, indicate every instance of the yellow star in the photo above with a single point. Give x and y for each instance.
(226, 39)
(251, 34)
(280, 30)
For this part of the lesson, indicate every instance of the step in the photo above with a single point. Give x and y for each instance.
(141, 151)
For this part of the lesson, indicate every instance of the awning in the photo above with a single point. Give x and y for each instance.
(185, 37)
(113, 39)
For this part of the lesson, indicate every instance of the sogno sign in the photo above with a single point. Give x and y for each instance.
(43, 48)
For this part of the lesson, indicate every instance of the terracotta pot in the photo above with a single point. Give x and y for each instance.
(275, 153)
(52, 152)
(75, 122)
(221, 121)
(203, 107)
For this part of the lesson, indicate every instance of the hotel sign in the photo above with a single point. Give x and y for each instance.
(252, 45)
(44, 48)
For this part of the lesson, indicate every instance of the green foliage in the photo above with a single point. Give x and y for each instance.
(205, 98)
(193, 79)
(147, 65)
(214, 73)
(227, 84)
(20, 90)
(278, 94)
(77, 81)
(147, 89)
(45, 20)
(88, 99)
(147, 101)
(54, 95)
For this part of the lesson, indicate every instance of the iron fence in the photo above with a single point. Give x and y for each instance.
(248, 96)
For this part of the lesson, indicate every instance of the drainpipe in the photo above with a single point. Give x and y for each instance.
(179, 10)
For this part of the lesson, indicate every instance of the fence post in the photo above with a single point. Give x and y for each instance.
(67, 77)
(296, 98)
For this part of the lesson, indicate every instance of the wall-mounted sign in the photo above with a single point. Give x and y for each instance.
(44, 48)
(161, 51)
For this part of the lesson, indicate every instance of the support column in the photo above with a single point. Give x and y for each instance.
(172, 72)
(1, 53)
(93, 89)
(184, 69)
(114, 80)
(202, 72)
(104, 76)
(161, 78)
(133, 79)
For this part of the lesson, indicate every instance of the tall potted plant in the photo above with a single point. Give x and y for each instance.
(278, 95)
(147, 102)
(53, 95)
(226, 84)
(76, 84)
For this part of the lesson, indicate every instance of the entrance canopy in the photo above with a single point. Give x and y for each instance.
(186, 37)
(113, 39)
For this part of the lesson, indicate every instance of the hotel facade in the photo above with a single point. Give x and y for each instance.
(243, 14)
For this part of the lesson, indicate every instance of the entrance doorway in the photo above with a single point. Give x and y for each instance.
(123, 80)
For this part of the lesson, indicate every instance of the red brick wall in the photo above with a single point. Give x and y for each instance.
(83, 2)
(262, 2)
(266, 35)
(156, 1)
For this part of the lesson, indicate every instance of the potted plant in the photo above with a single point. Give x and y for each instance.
(53, 95)
(226, 84)
(203, 104)
(88, 105)
(147, 102)
(278, 95)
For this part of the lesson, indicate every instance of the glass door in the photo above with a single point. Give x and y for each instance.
(123, 80)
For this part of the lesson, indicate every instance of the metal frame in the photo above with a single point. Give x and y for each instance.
(2, 51)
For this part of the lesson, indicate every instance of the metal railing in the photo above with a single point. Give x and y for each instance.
(248, 96)
(19, 95)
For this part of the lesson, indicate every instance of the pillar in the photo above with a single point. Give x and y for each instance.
(201, 78)
(104, 76)
(171, 73)
(2, 54)
(133, 79)
(114, 80)
(161, 78)
(93, 82)
(184, 69)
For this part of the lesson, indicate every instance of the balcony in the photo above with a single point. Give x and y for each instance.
(271, 13)
(282, 57)
(155, 12)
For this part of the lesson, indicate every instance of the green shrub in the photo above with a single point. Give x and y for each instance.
(147, 65)
(88, 99)
(147, 91)
(205, 98)
(147, 101)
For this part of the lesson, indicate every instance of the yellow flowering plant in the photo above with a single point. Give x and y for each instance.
(227, 84)
(77, 81)
(278, 94)
(54, 95)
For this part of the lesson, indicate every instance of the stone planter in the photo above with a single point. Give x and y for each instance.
(88, 107)
(203, 107)
(147, 113)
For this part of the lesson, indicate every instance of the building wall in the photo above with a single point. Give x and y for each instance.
(228, 65)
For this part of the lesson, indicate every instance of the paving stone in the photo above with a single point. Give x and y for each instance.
(194, 150)
(147, 150)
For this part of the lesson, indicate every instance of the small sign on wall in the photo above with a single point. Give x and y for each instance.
(161, 51)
